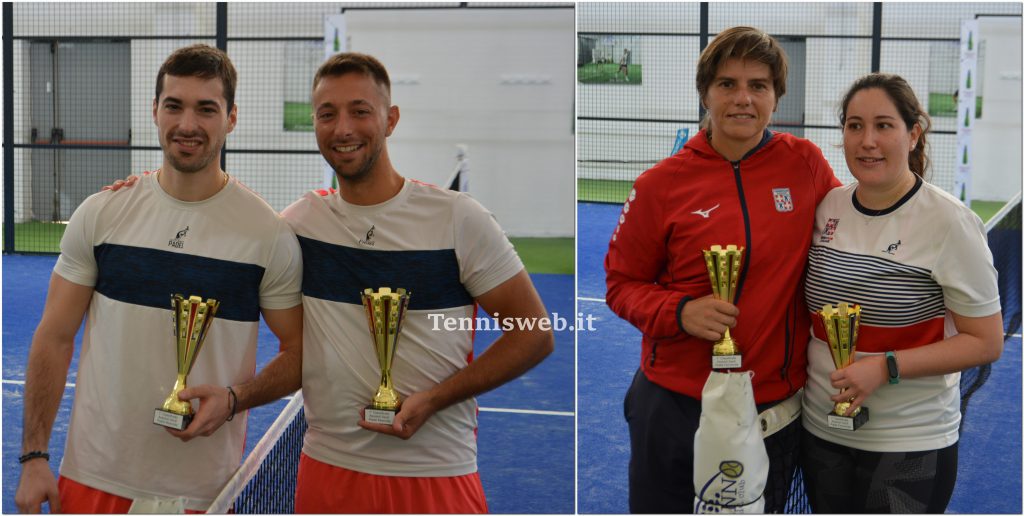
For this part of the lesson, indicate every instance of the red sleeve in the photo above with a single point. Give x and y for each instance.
(637, 255)
(824, 178)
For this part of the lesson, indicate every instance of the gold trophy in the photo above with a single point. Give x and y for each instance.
(724, 268)
(385, 311)
(192, 319)
(841, 326)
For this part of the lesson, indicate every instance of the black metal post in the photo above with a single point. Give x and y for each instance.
(876, 38)
(8, 43)
(222, 43)
(703, 45)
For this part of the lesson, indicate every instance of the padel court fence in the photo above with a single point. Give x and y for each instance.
(79, 82)
(636, 72)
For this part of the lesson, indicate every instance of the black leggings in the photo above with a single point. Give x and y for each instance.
(846, 480)
(662, 424)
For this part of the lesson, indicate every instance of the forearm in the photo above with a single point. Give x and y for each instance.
(282, 376)
(651, 308)
(979, 341)
(47, 373)
(506, 359)
(947, 356)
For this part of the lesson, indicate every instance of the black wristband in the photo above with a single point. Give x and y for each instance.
(232, 402)
(36, 454)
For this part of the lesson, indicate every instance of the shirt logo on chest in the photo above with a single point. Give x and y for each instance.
(369, 237)
(706, 213)
(783, 199)
(178, 242)
(893, 247)
(830, 231)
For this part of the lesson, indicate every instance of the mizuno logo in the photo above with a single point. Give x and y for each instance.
(706, 213)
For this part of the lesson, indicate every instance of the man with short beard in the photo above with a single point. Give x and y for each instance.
(383, 230)
(187, 229)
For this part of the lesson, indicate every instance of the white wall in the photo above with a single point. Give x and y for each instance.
(996, 138)
(669, 92)
(498, 80)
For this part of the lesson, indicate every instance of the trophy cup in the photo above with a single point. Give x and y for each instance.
(841, 326)
(724, 268)
(192, 319)
(385, 311)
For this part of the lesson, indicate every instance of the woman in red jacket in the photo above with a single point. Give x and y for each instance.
(738, 183)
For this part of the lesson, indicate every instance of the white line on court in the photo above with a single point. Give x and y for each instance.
(522, 411)
(593, 299)
(482, 409)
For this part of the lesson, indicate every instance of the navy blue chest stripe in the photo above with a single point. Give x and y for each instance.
(149, 277)
(338, 273)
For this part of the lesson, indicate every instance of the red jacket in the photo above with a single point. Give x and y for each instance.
(765, 202)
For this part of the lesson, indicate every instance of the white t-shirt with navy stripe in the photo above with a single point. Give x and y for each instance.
(907, 267)
(446, 250)
(137, 248)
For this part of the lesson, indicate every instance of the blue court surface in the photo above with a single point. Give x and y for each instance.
(989, 477)
(526, 428)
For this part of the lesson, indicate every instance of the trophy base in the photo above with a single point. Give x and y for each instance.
(848, 422)
(171, 419)
(726, 361)
(379, 416)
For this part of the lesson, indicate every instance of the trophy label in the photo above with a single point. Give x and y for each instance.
(381, 417)
(848, 422)
(726, 361)
(171, 420)
(840, 422)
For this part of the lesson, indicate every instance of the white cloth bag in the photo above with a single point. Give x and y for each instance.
(730, 464)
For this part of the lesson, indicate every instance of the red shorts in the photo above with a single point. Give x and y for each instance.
(322, 488)
(76, 498)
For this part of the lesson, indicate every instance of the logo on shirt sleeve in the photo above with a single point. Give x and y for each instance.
(783, 199)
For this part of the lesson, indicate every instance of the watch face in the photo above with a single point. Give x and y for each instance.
(894, 370)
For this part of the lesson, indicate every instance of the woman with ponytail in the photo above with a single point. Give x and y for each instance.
(915, 259)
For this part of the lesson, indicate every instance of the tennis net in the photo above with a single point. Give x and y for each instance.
(265, 483)
(1004, 240)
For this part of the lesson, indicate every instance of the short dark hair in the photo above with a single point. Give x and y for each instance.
(201, 61)
(909, 107)
(354, 62)
(742, 43)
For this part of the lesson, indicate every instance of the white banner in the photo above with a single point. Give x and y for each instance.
(966, 103)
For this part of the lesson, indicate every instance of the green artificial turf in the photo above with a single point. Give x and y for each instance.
(547, 255)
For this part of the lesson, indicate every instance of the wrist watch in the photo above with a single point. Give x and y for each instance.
(893, 367)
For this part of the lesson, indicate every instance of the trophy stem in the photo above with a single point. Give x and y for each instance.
(725, 345)
(172, 403)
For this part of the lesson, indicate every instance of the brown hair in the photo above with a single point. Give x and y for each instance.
(909, 108)
(201, 61)
(354, 62)
(742, 43)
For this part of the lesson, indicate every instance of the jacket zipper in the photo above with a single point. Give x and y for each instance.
(746, 229)
(654, 354)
